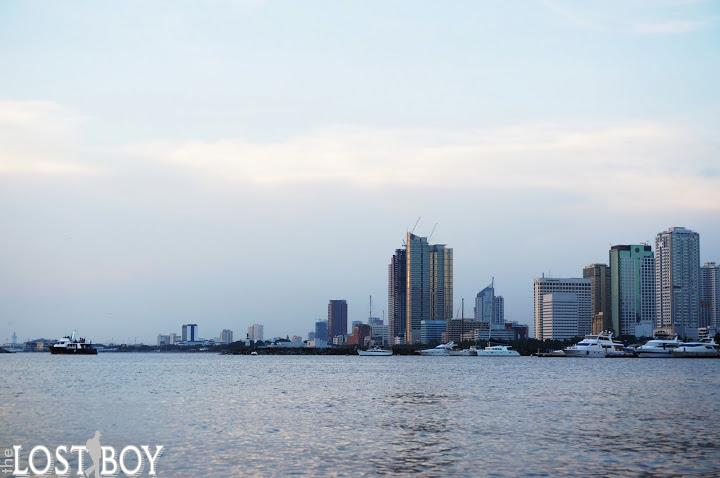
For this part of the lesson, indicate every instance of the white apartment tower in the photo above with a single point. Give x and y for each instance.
(581, 288)
(677, 281)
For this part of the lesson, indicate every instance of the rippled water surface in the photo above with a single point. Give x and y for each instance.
(432, 416)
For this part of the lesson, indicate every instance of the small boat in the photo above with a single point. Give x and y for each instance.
(253, 353)
(375, 352)
(598, 346)
(702, 349)
(658, 348)
(497, 351)
(442, 349)
(71, 345)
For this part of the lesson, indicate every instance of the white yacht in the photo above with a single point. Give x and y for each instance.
(498, 351)
(703, 349)
(375, 352)
(597, 346)
(72, 345)
(658, 348)
(442, 349)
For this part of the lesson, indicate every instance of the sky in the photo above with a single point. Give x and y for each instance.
(233, 162)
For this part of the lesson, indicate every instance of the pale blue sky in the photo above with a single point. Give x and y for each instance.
(235, 162)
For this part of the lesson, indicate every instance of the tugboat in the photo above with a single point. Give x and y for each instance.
(73, 346)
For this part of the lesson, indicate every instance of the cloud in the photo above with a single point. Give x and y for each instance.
(651, 163)
(41, 138)
(669, 27)
(606, 164)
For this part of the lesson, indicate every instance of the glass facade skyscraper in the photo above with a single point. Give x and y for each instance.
(632, 289)
(337, 318)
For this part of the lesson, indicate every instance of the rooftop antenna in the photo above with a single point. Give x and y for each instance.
(416, 223)
(432, 232)
(370, 306)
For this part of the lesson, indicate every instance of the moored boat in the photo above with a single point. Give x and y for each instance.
(71, 345)
(375, 352)
(659, 347)
(598, 346)
(497, 351)
(702, 349)
(442, 349)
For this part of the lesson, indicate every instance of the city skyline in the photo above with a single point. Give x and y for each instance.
(245, 162)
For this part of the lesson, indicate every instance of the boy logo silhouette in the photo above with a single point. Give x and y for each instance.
(94, 449)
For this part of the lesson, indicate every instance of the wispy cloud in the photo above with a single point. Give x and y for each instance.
(669, 27)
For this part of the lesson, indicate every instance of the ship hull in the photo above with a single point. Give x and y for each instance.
(65, 351)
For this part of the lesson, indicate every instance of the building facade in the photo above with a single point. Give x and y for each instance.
(255, 332)
(490, 308)
(190, 332)
(432, 331)
(710, 295)
(441, 282)
(397, 293)
(337, 318)
(599, 275)
(321, 330)
(428, 284)
(546, 285)
(632, 289)
(677, 281)
(226, 336)
(561, 315)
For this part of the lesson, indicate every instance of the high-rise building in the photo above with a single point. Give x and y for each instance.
(337, 318)
(490, 308)
(321, 330)
(190, 332)
(499, 312)
(397, 293)
(163, 339)
(710, 295)
(226, 336)
(561, 315)
(255, 332)
(599, 275)
(632, 289)
(420, 287)
(580, 287)
(441, 282)
(677, 281)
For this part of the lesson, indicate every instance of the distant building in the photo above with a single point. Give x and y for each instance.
(190, 333)
(490, 308)
(321, 330)
(174, 338)
(226, 336)
(632, 288)
(709, 295)
(429, 284)
(397, 293)
(163, 340)
(677, 281)
(546, 285)
(355, 323)
(432, 331)
(255, 332)
(381, 334)
(361, 335)
(337, 318)
(459, 330)
(311, 335)
(561, 314)
(599, 275)
(373, 321)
